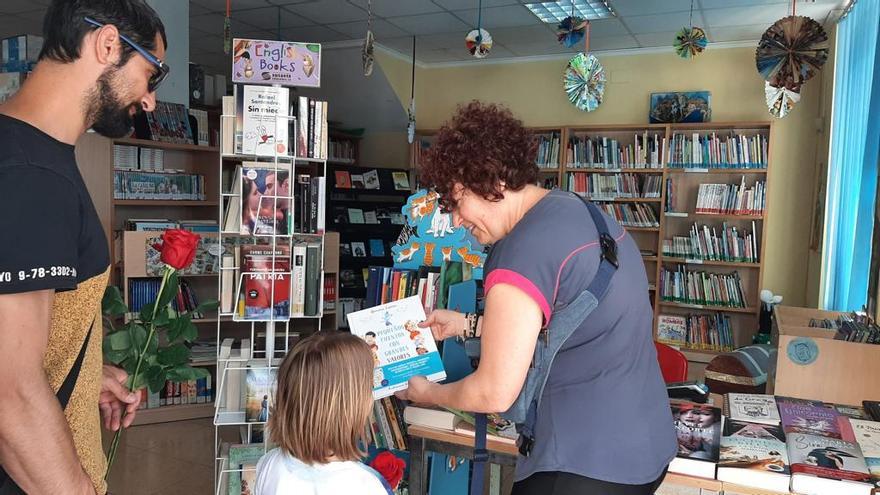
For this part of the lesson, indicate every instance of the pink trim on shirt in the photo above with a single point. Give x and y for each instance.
(585, 246)
(503, 276)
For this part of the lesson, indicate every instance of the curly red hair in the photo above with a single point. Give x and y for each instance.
(483, 146)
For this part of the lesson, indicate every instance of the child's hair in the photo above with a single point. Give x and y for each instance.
(324, 398)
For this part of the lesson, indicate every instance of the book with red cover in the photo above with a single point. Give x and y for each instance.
(266, 282)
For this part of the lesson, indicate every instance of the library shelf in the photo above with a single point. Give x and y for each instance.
(706, 307)
(165, 414)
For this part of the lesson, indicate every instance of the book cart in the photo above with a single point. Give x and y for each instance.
(265, 339)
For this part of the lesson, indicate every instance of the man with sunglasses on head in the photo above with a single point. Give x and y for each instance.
(100, 64)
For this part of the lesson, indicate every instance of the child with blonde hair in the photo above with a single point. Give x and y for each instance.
(323, 402)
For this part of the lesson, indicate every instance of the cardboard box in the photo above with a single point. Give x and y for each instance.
(810, 364)
(21, 48)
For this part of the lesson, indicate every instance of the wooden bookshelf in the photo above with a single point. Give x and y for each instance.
(146, 143)
(166, 414)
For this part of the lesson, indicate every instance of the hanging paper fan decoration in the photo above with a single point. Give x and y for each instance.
(367, 54)
(791, 51)
(690, 41)
(584, 81)
(478, 42)
(780, 101)
(571, 31)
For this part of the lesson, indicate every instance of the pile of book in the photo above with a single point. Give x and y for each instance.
(603, 152)
(448, 419)
(700, 332)
(713, 151)
(704, 243)
(387, 428)
(851, 327)
(780, 443)
(631, 214)
(604, 186)
(731, 199)
(703, 288)
(168, 185)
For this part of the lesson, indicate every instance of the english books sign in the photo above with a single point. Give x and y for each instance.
(285, 63)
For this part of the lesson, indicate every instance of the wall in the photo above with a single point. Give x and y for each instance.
(533, 91)
(175, 17)
(384, 149)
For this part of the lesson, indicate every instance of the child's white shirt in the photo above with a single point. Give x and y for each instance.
(282, 474)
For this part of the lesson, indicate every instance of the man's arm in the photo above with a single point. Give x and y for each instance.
(36, 446)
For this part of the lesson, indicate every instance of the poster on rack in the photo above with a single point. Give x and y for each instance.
(285, 63)
(401, 349)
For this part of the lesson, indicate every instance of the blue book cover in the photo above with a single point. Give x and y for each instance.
(400, 348)
(377, 249)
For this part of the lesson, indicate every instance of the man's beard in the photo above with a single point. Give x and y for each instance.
(110, 117)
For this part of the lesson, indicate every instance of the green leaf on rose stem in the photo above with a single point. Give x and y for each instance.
(147, 313)
(112, 302)
(207, 307)
(153, 345)
(169, 292)
(190, 332)
(184, 373)
(115, 357)
(175, 329)
(138, 338)
(174, 355)
(155, 378)
(117, 341)
(162, 319)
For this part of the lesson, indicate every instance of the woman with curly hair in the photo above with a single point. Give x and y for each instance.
(562, 280)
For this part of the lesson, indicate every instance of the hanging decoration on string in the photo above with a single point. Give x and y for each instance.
(227, 29)
(479, 41)
(584, 78)
(411, 113)
(690, 41)
(791, 51)
(780, 101)
(367, 50)
(571, 31)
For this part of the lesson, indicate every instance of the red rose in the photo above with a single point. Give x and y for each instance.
(390, 467)
(178, 247)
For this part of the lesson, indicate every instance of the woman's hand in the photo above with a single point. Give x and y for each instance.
(445, 323)
(419, 391)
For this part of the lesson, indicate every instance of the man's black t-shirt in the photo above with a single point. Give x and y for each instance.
(52, 240)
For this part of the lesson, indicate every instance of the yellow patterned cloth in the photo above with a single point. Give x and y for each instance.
(74, 312)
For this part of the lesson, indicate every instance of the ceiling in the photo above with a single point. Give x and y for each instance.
(440, 25)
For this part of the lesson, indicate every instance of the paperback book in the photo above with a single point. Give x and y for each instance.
(259, 393)
(401, 349)
(808, 417)
(754, 408)
(266, 199)
(754, 455)
(265, 121)
(266, 282)
(698, 428)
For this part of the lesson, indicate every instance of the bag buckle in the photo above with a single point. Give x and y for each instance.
(609, 249)
(525, 443)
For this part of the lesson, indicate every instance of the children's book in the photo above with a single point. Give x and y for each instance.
(400, 348)
(672, 329)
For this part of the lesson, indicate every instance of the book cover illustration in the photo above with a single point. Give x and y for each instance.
(698, 427)
(276, 62)
(259, 394)
(266, 282)
(265, 122)
(371, 180)
(812, 418)
(826, 457)
(343, 179)
(755, 408)
(867, 434)
(672, 329)
(751, 446)
(400, 348)
(266, 200)
(401, 181)
(243, 460)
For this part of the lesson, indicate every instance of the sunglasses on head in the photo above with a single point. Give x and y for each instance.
(162, 69)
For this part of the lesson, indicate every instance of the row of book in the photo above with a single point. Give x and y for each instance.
(646, 151)
(330, 292)
(851, 327)
(548, 150)
(199, 391)
(703, 332)
(781, 444)
(143, 291)
(631, 214)
(158, 186)
(168, 122)
(341, 150)
(202, 132)
(266, 199)
(704, 243)
(343, 215)
(387, 428)
(714, 151)
(162, 224)
(702, 288)
(599, 186)
(376, 248)
(272, 282)
(731, 199)
(264, 122)
(126, 157)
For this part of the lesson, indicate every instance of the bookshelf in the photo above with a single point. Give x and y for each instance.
(643, 155)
